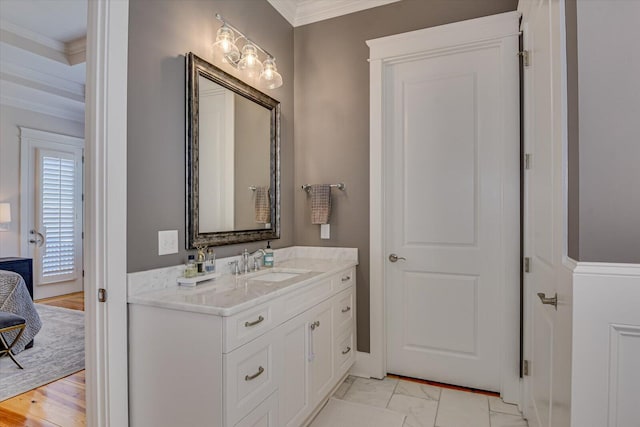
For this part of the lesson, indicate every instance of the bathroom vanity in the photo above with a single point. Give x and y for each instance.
(259, 349)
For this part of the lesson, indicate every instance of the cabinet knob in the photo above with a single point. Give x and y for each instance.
(346, 310)
(347, 350)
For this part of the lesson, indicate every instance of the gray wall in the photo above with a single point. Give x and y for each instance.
(160, 33)
(609, 128)
(573, 247)
(332, 117)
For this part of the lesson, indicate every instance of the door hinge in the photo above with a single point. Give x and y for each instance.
(525, 57)
(527, 264)
(526, 368)
(82, 273)
(102, 295)
(527, 161)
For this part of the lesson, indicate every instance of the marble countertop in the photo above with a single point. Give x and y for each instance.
(229, 294)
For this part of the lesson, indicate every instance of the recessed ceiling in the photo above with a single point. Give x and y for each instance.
(302, 12)
(42, 56)
(61, 20)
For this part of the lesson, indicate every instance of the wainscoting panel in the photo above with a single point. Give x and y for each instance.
(606, 345)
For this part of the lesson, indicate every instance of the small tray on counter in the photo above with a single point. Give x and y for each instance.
(193, 281)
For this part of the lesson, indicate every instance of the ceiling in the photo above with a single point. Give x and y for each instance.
(302, 12)
(42, 48)
(60, 20)
(42, 56)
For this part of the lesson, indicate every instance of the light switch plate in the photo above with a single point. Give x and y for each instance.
(167, 242)
(325, 231)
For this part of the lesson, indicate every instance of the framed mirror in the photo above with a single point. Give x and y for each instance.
(232, 161)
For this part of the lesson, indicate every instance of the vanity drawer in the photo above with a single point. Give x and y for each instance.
(345, 279)
(345, 352)
(265, 415)
(343, 310)
(307, 297)
(248, 325)
(251, 374)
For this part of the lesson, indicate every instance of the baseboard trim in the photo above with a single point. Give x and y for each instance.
(363, 366)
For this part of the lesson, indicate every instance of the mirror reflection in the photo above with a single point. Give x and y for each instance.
(234, 155)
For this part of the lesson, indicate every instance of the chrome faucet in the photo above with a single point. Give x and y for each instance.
(235, 269)
(245, 261)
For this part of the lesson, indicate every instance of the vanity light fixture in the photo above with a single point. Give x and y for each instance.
(245, 58)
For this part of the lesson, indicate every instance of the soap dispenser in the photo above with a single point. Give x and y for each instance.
(267, 259)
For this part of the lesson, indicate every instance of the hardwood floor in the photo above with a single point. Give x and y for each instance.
(58, 404)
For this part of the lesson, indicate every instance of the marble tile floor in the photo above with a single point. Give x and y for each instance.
(430, 406)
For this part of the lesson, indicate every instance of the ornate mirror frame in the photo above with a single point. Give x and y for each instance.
(195, 67)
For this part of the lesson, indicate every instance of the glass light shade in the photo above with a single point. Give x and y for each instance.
(270, 77)
(225, 48)
(249, 62)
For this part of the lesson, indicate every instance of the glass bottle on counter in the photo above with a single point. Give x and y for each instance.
(190, 270)
(210, 262)
(200, 260)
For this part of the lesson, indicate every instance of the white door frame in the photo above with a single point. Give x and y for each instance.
(383, 51)
(30, 141)
(106, 215)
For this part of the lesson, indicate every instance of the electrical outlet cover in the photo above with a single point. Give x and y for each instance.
(167, 242)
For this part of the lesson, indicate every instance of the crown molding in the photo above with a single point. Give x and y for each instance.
(286, 8)
(70, 53)
(76, 51)
(27, 98)
(43, 81)
(303, 12)
(32, 36)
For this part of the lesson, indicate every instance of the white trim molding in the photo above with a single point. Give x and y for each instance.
(106, 214)
(303, 12)
(605, 386)
(389, 50)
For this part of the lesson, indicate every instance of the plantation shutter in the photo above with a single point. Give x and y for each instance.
(58, 216)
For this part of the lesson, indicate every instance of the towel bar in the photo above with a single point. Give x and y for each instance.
(339, 186)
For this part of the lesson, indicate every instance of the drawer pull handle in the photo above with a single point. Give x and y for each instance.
(346, 310)
(315, 325)
(254, 376)
(346, 278)
(347, 350)
(254, 323)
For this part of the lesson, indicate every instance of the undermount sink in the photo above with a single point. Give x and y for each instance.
(279, 275)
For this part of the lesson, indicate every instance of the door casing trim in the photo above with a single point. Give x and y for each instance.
(407, 46)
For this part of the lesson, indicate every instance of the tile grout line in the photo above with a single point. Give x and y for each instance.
(392, 394)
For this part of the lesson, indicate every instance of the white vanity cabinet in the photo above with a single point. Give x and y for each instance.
(273, 364)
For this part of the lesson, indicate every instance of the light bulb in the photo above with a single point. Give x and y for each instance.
(249, 62)
(224, 49)
(270, 78)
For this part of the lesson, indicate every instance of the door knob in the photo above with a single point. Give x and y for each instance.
(550, 301)
(395, 258)
(39, 240)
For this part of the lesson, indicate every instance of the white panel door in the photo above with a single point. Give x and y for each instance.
(451, 167)
(547, 329)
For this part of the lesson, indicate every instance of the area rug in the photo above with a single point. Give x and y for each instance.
(58, 352)
(340, 413)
